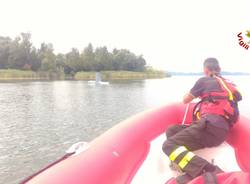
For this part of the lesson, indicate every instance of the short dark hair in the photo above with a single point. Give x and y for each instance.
(212, 65)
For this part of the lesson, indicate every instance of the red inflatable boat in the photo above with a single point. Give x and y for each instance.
(130, 152)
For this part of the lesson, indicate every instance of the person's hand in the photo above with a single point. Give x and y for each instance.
(188, 98)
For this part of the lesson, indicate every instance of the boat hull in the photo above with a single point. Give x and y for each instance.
(116, 155)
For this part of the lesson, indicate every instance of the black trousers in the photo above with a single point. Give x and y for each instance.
(196, 136)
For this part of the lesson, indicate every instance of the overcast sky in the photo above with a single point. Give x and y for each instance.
(171, 35)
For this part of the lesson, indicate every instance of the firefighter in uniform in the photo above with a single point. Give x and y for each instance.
(213, 117)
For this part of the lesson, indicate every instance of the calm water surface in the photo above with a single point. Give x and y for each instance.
(40, 120)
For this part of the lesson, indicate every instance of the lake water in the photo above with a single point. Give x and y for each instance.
(40, 120)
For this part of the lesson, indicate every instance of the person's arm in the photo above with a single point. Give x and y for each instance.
(188, 98)
(195, 92)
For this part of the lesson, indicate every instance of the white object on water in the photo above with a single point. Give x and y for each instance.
(97, 83)
(97, 77)
(98, 80)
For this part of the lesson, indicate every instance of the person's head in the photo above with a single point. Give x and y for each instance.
(211, 67)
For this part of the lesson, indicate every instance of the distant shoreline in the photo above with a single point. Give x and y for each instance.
(120, 75)
(11, 74)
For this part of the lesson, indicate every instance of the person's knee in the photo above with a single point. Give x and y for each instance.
(172, 130)
(167, 147)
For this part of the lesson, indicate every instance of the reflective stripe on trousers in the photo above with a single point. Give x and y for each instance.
(186, 158)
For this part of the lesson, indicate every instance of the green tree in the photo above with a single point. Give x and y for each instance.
(22, 55)
(15, 59)
(88, 58)
(103, 59)
(140, 64)
(60, 61)
(35, 62)
(73, 60)
(4, 51)
(19, 51)
(47, 57)
(125, 60)
(117, 59)
(26, 49)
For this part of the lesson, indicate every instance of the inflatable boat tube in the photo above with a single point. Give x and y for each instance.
(131, 152)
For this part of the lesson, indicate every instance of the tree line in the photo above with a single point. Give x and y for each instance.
(20, 53)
